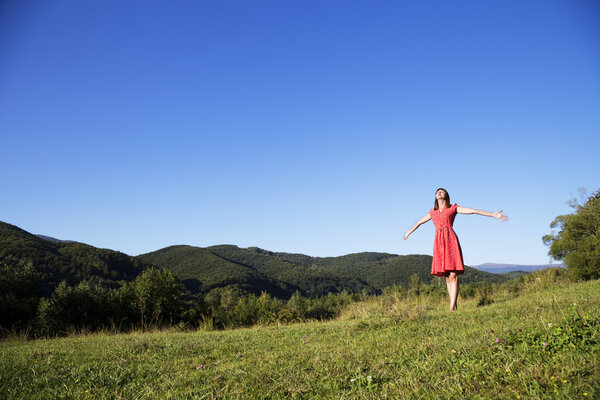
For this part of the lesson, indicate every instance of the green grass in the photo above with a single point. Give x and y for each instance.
(382, 348)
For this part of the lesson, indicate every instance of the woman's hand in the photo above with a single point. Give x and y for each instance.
(426, 218)
(500, 216)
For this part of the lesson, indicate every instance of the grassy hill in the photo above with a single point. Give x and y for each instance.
(542, 342)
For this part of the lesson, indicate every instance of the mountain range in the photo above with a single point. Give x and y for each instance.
(202, 269)
(503, 268)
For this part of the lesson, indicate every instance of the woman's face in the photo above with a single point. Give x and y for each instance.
(440, 194)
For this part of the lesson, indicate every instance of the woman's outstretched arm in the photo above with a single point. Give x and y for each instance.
(421, 222)
(466, 210)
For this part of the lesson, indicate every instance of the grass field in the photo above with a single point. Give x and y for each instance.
(544, 343)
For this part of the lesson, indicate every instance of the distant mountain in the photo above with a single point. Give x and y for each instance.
(51, 239)
(502, 268)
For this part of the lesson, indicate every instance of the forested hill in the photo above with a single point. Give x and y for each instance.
(55, 261)
(205, 268)
(201, 270)
(383, 269)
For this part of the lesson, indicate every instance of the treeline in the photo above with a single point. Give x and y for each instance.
(156, 299)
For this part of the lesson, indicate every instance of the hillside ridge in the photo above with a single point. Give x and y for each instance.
(203, 269)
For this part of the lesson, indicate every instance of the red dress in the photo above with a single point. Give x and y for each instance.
(447, 254)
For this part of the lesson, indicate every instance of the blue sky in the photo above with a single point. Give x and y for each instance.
(315, 127)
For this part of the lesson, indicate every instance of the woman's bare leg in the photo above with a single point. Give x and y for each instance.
(452, 284)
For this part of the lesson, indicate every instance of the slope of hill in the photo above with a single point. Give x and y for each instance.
(394, 349)
(255, 271)
(202, 270)
(69, 261)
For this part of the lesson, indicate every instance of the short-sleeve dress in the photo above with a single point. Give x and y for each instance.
(447, 254)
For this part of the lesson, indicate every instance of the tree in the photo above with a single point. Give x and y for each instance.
(157, 294)
(577, 241)
(298, 305)
(415, 283)
(72, 308)
(19, 294)
(268, 307)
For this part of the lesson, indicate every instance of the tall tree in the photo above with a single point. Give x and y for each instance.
(577, 241)
(157, 295)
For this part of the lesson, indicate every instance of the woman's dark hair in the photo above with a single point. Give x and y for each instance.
(447, 198)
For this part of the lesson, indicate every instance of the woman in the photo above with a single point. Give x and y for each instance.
(447, 254)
